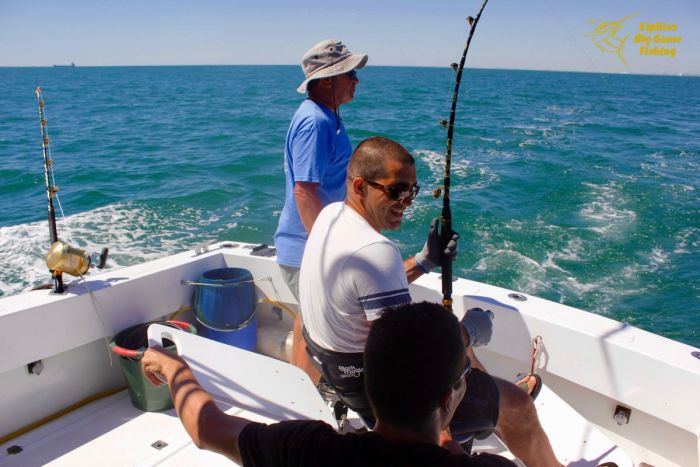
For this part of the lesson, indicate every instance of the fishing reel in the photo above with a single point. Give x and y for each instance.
(64, 258)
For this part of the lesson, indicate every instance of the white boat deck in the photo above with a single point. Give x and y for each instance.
(111, 431)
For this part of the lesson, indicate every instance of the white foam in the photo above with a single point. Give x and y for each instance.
(549, 263)
(508, 257)
(607, 210)
(491, 140)
(562, 110)
(657, 258)
(688, 237)
(460, 167)
(606, 292)
(134, 233)
(515, 224)
(534, 130)
(549, 277)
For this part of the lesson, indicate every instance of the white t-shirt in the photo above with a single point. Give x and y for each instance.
(349, 274)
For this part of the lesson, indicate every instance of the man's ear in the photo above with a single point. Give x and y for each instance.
(446, 401)
(325, 82)
(446, 407)
(358, 186)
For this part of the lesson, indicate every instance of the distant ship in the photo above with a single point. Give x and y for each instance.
(72, 64)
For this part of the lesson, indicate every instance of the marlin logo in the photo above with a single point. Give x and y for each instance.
(605, 36)
(350, 371)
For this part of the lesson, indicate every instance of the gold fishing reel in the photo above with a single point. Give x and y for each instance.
(69, 259)
(64, 258)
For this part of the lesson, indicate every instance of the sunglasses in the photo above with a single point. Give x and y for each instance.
(399, 192)
(464, 372)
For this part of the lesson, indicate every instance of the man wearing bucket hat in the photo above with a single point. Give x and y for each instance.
(316, 155)
(317, 149)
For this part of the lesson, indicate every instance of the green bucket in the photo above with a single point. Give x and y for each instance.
(129, 345)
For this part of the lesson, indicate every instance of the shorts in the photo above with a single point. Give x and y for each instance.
(290, 276)
(481, 399)
(344, 372)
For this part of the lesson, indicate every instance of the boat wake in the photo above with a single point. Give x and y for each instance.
(133, 231)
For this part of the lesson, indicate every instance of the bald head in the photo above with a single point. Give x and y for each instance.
(369, 158)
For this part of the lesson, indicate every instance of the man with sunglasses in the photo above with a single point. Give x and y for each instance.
(351, 272)
(317, 149)
(416, 377)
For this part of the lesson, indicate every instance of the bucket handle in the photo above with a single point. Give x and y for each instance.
(128, 353)
(232, 284)
(237, 328)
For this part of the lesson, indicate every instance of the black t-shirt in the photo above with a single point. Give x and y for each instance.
(315, 443)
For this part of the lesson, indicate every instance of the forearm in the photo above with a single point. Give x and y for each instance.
(413, 271)
(308, 203)
(476, 363)
(207, 425)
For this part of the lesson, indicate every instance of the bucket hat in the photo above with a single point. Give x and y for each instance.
(329, 58)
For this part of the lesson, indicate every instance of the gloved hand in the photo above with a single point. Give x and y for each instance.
(479, 326)
(429, 257)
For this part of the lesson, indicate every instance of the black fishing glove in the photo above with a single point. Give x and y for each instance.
(430, 256)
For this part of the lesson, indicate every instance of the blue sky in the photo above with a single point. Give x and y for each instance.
(521, 34)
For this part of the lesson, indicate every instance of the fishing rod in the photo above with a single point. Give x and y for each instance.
(446, 216)
(62, 257)
(51, 188)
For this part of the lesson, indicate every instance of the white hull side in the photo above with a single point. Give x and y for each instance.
(590, 362)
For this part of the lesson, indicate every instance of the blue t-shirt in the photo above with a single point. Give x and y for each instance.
(314, 152)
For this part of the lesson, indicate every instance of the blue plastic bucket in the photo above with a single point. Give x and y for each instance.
(224, 305)
(244, 338)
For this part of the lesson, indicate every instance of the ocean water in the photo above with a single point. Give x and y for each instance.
(579, 188)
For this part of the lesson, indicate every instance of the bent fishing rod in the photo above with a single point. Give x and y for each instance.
(446, 216)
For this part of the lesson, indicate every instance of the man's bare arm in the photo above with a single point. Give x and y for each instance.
(308, 203)
(413, 271)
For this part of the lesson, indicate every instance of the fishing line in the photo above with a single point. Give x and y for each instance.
(578, 44)
(108, 332)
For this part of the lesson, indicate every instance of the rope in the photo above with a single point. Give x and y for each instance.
(536, 343)
(60, 413)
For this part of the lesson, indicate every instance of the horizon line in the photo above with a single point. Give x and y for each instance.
(679, 74)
